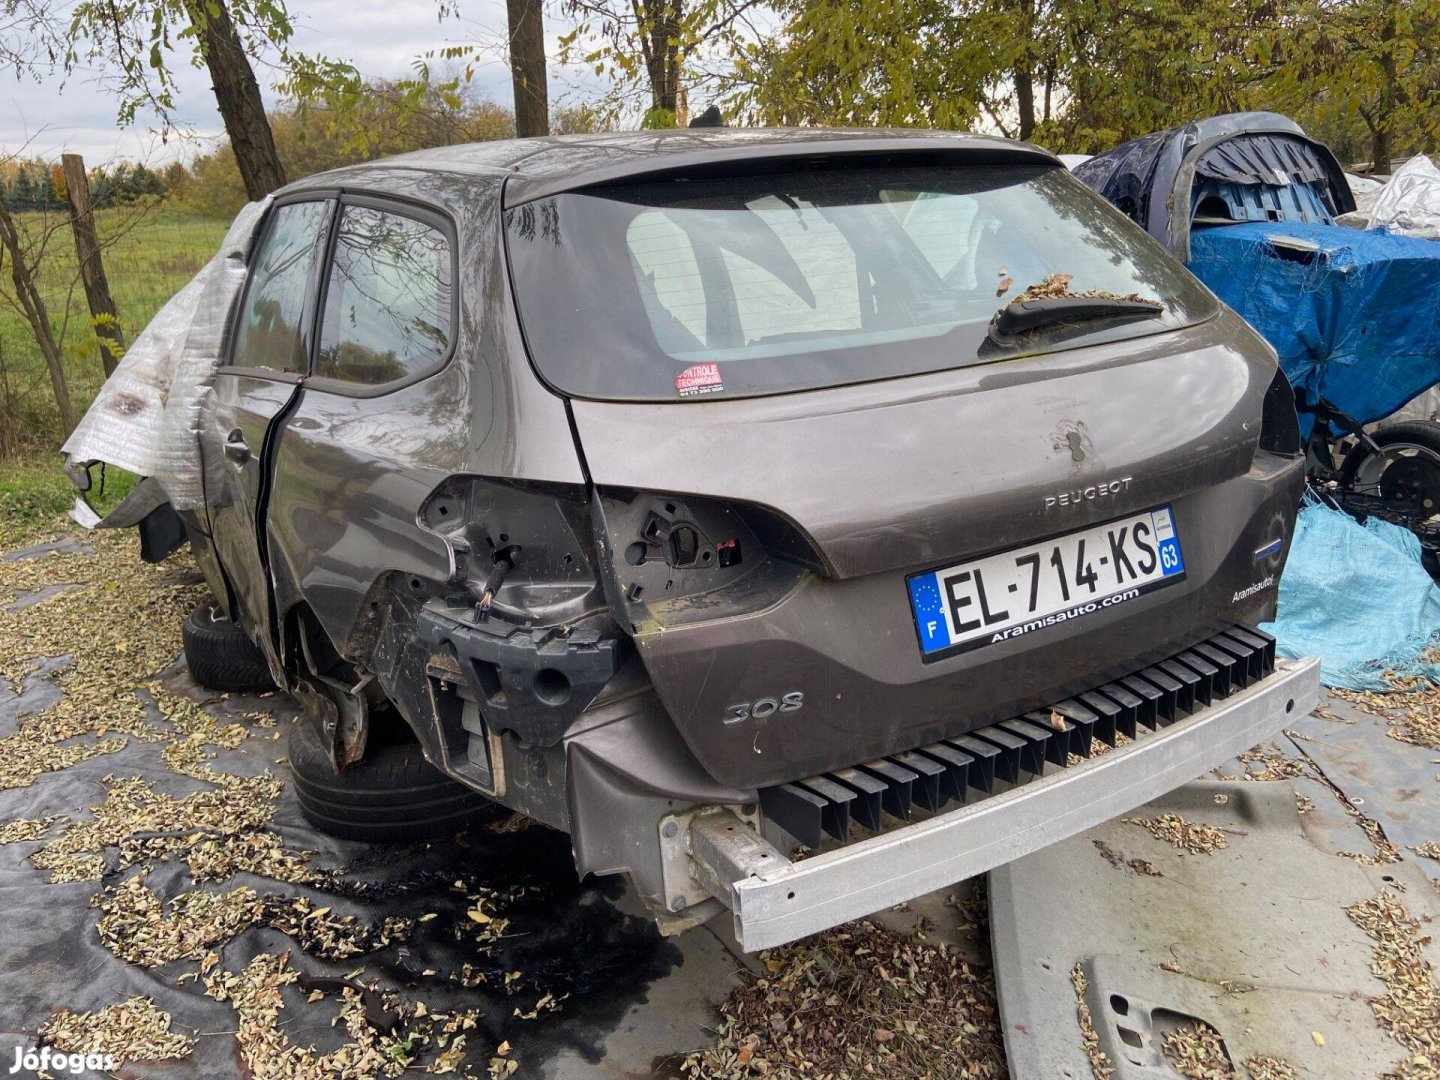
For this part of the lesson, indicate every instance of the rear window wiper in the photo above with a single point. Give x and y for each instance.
(1041, 312)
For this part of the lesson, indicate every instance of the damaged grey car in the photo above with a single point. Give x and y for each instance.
(712, 494)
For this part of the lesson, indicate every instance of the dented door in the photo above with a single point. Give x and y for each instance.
(270, 355)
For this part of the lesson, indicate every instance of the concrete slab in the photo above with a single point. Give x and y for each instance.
(1391, 781)
(1252, 939)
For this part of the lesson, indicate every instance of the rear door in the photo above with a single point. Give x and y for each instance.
(381, 421)
(271, 343)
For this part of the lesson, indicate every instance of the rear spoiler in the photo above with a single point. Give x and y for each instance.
(682, 154)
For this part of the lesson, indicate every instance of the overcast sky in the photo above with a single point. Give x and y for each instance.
(380, 37)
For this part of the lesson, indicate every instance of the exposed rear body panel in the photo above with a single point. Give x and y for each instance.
(886, 479)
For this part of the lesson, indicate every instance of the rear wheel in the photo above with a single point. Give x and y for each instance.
(392, 795)
(1401, 482)
(220, 656)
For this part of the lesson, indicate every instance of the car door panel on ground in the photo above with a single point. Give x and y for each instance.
(271, 345)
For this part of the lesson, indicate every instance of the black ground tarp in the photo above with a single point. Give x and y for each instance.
(494, 921)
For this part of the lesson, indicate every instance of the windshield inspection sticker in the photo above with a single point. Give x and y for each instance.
(699, 379)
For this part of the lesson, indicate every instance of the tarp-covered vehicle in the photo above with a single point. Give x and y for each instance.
(1250, 204)
(701, 493)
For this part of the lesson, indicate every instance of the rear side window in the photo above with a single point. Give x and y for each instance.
(388, 306)
(767, 284)
(270, 333)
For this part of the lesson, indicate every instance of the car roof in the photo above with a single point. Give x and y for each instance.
(537, 168)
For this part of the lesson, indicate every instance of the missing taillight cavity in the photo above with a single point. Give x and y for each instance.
(684, 545)
(730, 553)
(669, 549)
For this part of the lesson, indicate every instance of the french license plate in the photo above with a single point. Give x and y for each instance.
(1017, 592)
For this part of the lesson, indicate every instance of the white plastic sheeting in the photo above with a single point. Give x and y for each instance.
(146, 417)
(1409, 205)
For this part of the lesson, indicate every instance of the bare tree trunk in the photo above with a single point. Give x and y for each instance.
(238, 96)
(92, 267)
(27, 297)
(1025, 101)
(1380, 141)
(527, 67)
(660, 43)
(1023, 74)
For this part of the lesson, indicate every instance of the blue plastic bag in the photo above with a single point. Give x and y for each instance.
(1358, 597)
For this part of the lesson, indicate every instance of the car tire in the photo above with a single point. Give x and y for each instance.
(391, 796)
(1411, 484)
(220, 656)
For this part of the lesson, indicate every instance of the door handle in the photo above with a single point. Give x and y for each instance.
(236, 448)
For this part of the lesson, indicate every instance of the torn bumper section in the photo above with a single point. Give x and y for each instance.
(532, 682)
(774, 900)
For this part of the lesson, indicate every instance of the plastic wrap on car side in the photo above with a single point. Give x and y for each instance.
(146, 417)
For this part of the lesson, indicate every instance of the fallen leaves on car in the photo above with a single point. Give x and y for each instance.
(1058, 285)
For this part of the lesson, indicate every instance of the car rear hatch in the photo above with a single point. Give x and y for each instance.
(842, 515)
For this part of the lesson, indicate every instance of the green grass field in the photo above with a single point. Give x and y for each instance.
(155, 251)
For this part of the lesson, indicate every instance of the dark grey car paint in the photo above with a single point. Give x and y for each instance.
(880, 479)
(887, 479)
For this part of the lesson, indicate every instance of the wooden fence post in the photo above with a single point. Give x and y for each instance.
(92, 268)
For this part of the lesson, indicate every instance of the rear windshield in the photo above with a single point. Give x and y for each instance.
(758, 285)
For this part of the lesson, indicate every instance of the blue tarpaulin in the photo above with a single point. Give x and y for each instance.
(1358, 597)
(1354, 315)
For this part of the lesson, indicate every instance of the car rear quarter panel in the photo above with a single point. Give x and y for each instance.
(351, 473)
